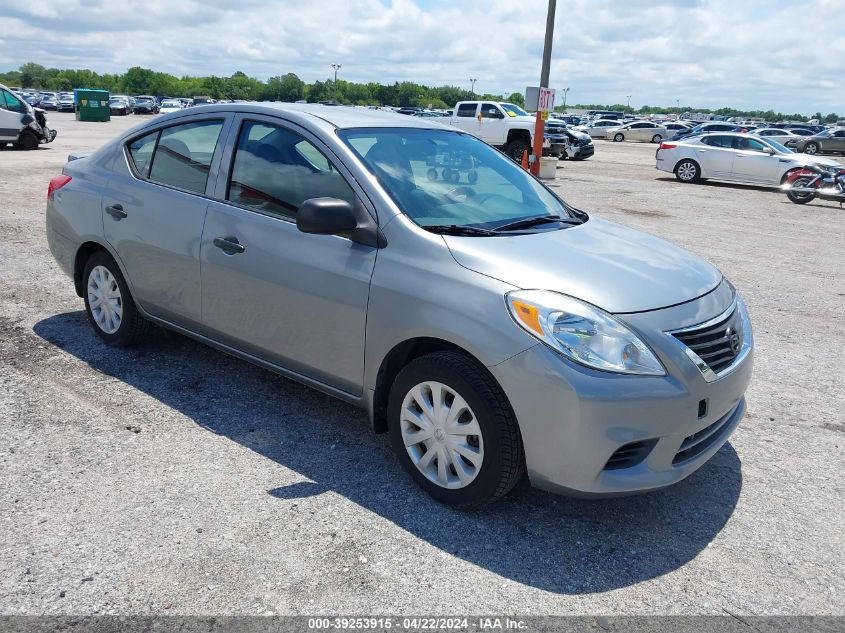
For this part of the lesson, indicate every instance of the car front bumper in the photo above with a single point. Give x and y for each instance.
(573, 420)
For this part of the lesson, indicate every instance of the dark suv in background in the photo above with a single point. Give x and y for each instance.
(146, 104)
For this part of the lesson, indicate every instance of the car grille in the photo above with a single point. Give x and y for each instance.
(630, 455)
(717, 344)
(695, 444)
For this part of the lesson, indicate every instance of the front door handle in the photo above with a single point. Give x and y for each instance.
(116, 211)
(229, 245)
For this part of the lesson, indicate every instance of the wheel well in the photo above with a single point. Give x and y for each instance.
(519, 135)
(85, 251)
(393, 363)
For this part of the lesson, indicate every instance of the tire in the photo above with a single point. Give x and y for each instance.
(27, 141)
(688, 171)
(811, 148)
(800, 198)
(132, 327)
(618, 137)
(502, 461)
(431, 174)
(515, 149)
(656, 138)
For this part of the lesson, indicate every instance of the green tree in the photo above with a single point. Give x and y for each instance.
(32, 75)
(517, 98)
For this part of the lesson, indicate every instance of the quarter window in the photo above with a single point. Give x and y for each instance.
(467, 109)
(275, 170)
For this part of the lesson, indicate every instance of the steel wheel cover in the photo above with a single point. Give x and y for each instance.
(441, 435)
(105, 300)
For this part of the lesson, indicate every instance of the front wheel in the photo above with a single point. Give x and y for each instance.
(800, 197)
(515, 149)
(454, 430)
(27, 141)
(109, 305)
(618, 137)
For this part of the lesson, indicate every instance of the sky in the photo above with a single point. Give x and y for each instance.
(747, 54)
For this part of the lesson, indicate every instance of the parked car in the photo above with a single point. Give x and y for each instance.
(66, 102)
(50, 101)
(120, 105)
(490, 328)
(503, 125)
(170, 105)
(782, 136)
(146, 104)
(742, 158)
(638, 131)
(675, 127)
(21, 124)
(599, 128)
(827, 141)
(579, 145)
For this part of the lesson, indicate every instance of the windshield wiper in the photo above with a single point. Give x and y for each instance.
(455, 229)
(524, 223)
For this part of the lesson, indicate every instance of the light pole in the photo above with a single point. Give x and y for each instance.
(472, 86)
(629, 102)
(565, 90)
(336, 67)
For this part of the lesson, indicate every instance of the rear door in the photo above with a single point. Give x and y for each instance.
(154, 212)
(294, 299)
(466, 118)
(715, 154)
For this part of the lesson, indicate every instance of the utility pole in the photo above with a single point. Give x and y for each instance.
(472, 86)
(565, 90)
(629, 103)
(540, 123)
(336, 67)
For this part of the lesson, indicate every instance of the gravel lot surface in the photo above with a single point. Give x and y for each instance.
(175, 479)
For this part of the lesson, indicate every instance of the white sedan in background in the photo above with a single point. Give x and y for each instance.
(638, 131)
(597, 129)
(171, 105)
(776, 134)
(742, 158)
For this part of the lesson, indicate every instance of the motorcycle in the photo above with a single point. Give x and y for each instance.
(812, 181)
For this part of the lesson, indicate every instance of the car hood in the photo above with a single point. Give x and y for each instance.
(606, 264)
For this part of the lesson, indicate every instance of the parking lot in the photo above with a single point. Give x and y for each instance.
(172, 478)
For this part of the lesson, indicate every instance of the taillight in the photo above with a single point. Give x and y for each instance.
(57, 183)
(667, 146)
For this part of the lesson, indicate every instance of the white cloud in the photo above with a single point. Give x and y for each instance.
(751, 54)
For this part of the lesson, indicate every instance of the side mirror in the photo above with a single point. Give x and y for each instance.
(768, 150)
(493, 113)
(326, 216)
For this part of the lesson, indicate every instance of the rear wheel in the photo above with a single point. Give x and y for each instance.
(515, 149)
(799, 197)
(618, 137)
(811, 148)
(687, 171)
(656, 138)
(109, 305)
(454, 430)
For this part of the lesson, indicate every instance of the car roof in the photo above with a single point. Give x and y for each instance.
(322, 115)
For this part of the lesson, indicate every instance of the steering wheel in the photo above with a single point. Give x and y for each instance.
(457, 192)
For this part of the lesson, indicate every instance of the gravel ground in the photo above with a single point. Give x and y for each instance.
(175, 479)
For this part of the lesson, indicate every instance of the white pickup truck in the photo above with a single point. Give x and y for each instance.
(505, 126)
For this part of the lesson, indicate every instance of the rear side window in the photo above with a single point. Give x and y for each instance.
(275, 170)
(467, 109)
(719, 141)
(141, 152)
(183, 155)
(179, 156)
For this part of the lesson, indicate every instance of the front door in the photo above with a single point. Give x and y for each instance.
(294, 299)
(752, 162)
(492, 126)
(154, 212)
(11, 111)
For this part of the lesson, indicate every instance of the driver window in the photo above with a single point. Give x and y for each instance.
(490, 111)
(275, 170)
(9, 102)
(750, 144)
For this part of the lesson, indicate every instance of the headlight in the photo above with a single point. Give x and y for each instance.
(582, 333)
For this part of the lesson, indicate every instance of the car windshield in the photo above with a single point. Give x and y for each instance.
(513, 110)
(445, 178)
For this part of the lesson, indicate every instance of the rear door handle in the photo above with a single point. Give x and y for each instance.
(116, 211)
(229, 245)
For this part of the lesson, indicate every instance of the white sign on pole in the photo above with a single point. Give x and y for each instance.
(546, 102)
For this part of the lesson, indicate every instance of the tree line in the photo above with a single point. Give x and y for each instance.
(290, 87)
